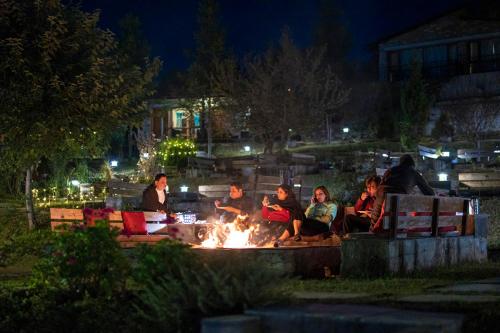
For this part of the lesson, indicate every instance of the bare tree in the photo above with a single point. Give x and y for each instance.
(282, 91)
(473, 119)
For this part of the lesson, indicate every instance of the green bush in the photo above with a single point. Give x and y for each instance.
(29, 243)
(78, 284)
(42, 310)
(164, 259)
(175, 152)
(179, 296)
(84, 261)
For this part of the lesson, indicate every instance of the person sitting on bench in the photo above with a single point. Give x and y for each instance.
(154, 197)
(319, 215)
(236, 204)
(399, 179)
(285, 201)
(363, 208)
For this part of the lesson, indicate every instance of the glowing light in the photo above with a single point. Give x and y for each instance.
(230, 235)
(184, 188)
(345, 130)
(145, 155)
(445, 154)
(443, 177)
(385, 155)
(247, 148)
(114, 163)
(75, 182)
(497, 151)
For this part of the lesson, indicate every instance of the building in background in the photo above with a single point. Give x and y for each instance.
(459, 53)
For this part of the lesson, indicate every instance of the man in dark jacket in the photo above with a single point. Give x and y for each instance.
(154, 197)
(399, 179)
(236, 204)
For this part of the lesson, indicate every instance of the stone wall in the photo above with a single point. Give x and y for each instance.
(376, 257)
(307, 262)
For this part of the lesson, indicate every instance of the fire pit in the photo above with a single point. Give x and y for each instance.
(305, 261)
(242, 240)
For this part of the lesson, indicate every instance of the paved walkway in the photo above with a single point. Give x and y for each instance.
(317, 312)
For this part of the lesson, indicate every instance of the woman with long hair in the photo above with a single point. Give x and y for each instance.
(319, 215)
(286, 201)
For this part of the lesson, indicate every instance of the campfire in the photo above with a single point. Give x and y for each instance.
(237, 234)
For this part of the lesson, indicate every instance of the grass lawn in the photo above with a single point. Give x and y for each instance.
(478, 317)
(397, 285)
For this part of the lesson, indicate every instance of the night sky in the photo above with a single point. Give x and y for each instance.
(252, 25)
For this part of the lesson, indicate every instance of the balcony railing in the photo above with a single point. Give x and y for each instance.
(440, 70)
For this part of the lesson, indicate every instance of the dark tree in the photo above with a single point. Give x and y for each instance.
(415, 104)
(63, 85)
(283, 91)
(198, 81)
(331, 33)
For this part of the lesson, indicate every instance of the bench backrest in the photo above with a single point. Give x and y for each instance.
(479, 180)
(428, 215)
(62, 216)
(214, 191)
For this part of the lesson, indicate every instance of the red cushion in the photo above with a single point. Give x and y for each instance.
(134, 223)
(274, 215)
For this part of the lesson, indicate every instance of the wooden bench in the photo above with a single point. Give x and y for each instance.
(200, 166)
(417, 232)
(156, 230)
(258, 187)
(419, 215)
(479, 181)
(408, 215)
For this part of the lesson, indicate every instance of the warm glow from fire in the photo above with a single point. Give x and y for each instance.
(231, 235)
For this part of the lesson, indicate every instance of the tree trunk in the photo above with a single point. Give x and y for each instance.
(328, 129)
(268, 147)
(130, 141)
(478, 146)
(209, 128)
(29, 198)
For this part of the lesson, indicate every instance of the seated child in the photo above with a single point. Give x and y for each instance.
(361, 221)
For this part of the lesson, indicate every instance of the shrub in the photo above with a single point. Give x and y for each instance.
(175, 152)
(19, 245)
(187, 290)
(84, 261)
(42, 310)
(164, 259)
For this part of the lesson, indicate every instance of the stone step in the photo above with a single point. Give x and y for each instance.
(474, 288)
(495, 280)
(321, 318)
(442, 298)
(231, 324)
(326, 296)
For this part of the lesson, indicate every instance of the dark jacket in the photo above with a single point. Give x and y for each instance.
(245, 204)
(293, 206)
(402, 179)
(398, 179)
(150, 200)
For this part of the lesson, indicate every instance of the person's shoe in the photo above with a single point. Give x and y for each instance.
(278, 243)
(297, 237)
